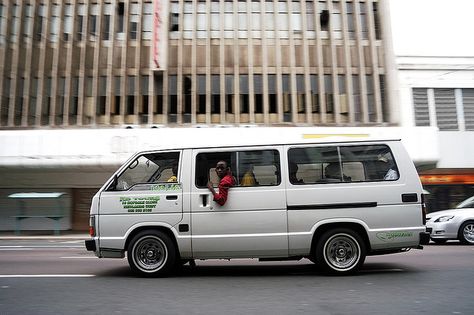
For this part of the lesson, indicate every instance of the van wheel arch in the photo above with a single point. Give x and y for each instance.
(162, 229)
(320, 231)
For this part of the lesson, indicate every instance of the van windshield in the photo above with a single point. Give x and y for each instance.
(149, 168)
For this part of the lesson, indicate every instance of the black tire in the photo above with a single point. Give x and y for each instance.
(152, 254)
(466, 233)
(340, 252)
(439, 241)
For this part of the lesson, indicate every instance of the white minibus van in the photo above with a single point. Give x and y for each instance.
(333, 200)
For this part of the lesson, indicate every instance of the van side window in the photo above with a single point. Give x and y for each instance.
(250, 168)
(313, 165)
(336, 164)
(369, 163)
(148, 169)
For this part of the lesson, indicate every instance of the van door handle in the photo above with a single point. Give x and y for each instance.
(204, 200)
(172, 197)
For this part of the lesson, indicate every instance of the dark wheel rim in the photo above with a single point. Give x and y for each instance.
(342, 252)
(150, 253)
(468, 233)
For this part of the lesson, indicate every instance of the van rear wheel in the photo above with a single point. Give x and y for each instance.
(151, 253)
(340, 251)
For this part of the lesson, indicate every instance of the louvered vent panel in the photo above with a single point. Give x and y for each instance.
(446, 115)
(468, 102)
(420, 101)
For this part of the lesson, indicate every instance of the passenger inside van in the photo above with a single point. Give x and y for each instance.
(293, 169)
(226, 181)
(249, 178)
(332, 173)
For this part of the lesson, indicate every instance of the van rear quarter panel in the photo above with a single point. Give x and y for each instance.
(390, 224)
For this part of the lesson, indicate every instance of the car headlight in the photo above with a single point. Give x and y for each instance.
(444, 218)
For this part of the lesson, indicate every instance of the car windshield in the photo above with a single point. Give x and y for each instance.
(468, 203)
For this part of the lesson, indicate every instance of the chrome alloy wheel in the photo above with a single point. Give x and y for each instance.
(342, 252)
(468, 233)
(150, 253)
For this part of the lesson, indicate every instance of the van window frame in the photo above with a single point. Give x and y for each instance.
(233, 160)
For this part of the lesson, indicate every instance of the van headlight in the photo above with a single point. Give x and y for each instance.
(444, 218)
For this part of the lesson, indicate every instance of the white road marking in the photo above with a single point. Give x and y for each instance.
(48, 276)
(41, 246)
(77, 257)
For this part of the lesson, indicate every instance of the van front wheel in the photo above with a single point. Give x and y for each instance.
(340, 252)
(151, 253)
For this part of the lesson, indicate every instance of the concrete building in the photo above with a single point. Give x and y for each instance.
(83, 84)
(435, 74)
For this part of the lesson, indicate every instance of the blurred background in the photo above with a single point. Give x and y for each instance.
(86, 83)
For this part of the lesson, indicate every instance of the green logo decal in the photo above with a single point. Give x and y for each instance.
(390, 236)
(166, 187)
(139, 204)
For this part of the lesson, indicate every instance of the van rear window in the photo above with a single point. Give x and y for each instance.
(338, 164)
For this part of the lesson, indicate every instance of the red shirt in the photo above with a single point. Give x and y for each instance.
(226, 182)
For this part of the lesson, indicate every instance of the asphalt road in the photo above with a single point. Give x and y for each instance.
(60, 277)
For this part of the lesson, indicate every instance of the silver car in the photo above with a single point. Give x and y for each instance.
(454, 224)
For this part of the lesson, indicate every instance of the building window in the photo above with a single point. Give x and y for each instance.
(201, 93)
(329, 93)
(378, 31)
(27, 20)
(363, 20)
(314, 93)
(102, 99)
(357, 98)
(108, 11)
(40, 16)
(147, 23)
(371, 98)
(134, 19)
(2, 21)
(130, 109)
(75, 97)
(215, 91)
(120, 21)
(350, 19)
(336, 20)
(67, 28)
(33, 100)
(229, 93)
(14, 23)
(81, 12)
(286, 89)
(174, 17)
(244, 93)
(60, 101)
(173, 98)
(115, 109)
(258, 92)
(300, 96)
(94, 13)
(54, 23)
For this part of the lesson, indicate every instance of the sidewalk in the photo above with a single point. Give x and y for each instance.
(44, 235)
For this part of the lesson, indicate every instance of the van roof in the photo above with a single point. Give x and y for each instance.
(185, 138)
